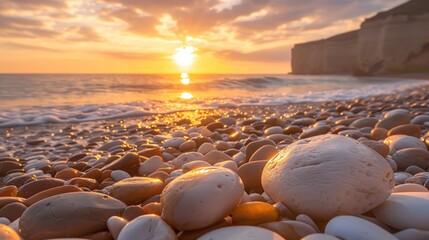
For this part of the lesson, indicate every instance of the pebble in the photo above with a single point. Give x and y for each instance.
(409, 187)
(147, 227)
(355, 228)
(254, 213)
(407, 157)
(151, 164)
(135, 190)
(406, 129)
(7, 233)
(404, 210)
(327, 176)
(412, 233)
(173, 142)
(398, 142)
(51, 217)
(319, 236)
(115, 224)
(185, 158)
(290, 230)
(250, 173)
(216, 156)
(201, 197)
(242, 233)
(393, 120)
(206, 147)
(119, 175)
(311, 132)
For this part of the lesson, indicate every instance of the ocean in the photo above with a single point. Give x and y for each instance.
(29, 99)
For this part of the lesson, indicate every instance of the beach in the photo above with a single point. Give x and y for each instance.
(223, 171)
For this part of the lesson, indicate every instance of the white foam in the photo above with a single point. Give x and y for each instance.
(14, 117)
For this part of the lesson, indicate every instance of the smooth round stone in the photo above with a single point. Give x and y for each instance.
(216, 156)
(264, 153)
(379, 147)
(201, 197)
(188, 145)
(147, 227)
(254, 213)
(409, 187)
(185, 158)
(319, 236)
(400, 177)
(414, 170)
(68, 215)
(126, 163)
(405, 210)
(115, 224)
(206, 147)
(255, 145)
(364, 122)
(406, 129)
(355, 228)
(306, 219)
(311, 132)
(304, 121)
(228, 164)
(223, 146)
(290, 230)
(412, 233)
(327, 176)
(12, 211)
(7, 233)
(242, 233)
(250, 173)
(420, 119)
(4, 221)
(9, 191)
(173, 142)
(273, 130)
(379, 133)
(393, 120)
(398, 142)
(194, 165)
(292, 130)
(51, 192)
(407, 157)
(119, 175)
(132, 212)
(151, 165)
(136, 189)
(31, 188)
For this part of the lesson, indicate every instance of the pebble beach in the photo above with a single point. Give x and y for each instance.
(340, 169)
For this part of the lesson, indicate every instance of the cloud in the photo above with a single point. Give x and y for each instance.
(32, 4)
(16, 45)
(132, 55)
(83, 34)
(23, 27)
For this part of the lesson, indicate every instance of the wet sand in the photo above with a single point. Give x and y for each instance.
(197, 171)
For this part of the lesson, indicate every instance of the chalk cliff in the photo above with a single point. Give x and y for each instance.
(394, 41)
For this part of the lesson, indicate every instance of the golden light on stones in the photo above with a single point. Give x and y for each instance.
(184, 56)
(186, 95)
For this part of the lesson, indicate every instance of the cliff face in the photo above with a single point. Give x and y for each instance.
(395, 41)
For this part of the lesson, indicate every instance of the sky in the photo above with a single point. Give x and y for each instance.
(168, 36)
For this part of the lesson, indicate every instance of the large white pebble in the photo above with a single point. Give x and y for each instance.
(241, 233)
(354, 228)
(405, 210)
(326, 176)
(201, 197)
(147, 227)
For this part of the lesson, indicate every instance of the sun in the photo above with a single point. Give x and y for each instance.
(184, 56)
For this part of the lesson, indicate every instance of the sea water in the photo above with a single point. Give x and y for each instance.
(28, 99)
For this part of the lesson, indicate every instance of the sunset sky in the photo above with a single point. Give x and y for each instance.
(146, 36)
